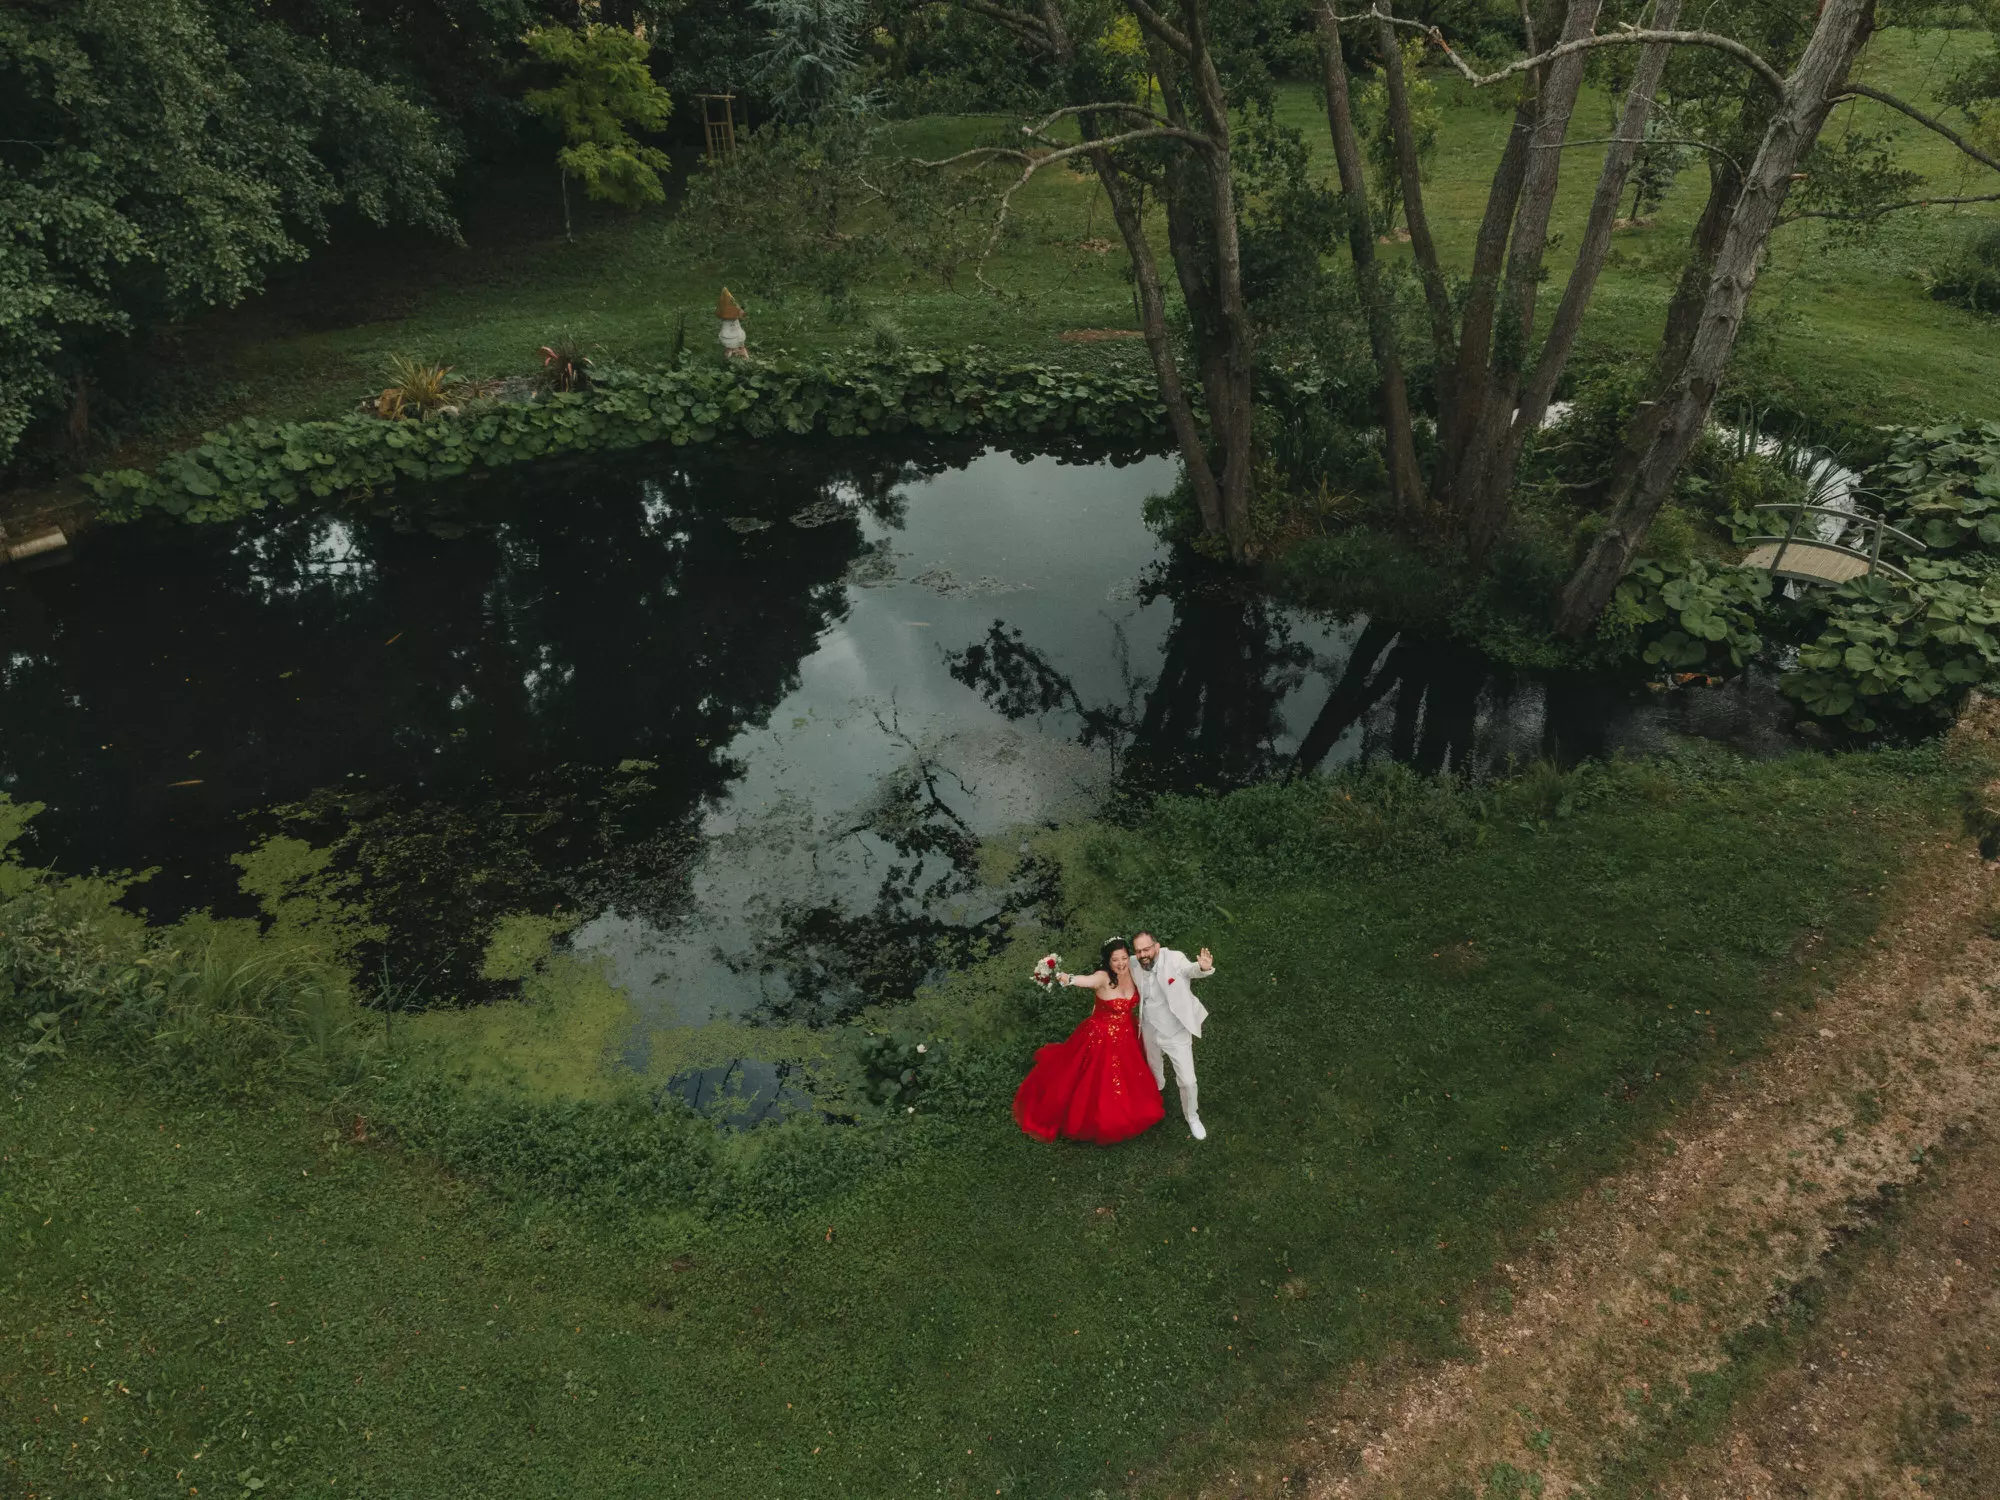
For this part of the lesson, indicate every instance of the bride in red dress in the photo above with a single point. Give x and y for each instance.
(1095, 1086)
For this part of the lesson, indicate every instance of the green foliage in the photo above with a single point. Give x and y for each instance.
(205, 1009)
(1942, 484)
(808, 65)
(784, 212)
(604, 89)
(1887, 649)
(1890, 651)
(1707, 613)
(1290, 218)
(1385, 189)
(1872, 651)
(899, 1068)
(158, 156)
(1657, 162)
(250, 465)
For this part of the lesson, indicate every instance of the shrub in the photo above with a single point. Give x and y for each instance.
(1971, 277)
(415, 389)
(565, 367)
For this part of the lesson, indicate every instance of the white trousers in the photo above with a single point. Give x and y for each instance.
(1179, 1047)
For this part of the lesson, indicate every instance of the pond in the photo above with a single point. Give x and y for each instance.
(747, 725)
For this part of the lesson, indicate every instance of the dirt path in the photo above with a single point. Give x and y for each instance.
(1891, 1391)
(1795, 1295)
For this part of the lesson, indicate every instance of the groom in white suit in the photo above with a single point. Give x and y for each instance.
(1170, 1016)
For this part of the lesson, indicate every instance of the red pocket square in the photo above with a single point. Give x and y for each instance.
(1169, 981)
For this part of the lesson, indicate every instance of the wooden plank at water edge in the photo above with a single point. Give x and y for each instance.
(1814, 562)
(19, 546)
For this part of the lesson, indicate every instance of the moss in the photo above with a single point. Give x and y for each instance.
(562, 1040)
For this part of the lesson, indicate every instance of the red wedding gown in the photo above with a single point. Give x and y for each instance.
(1095, 1086)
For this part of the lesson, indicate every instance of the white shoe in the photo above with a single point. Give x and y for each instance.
(1196, 1128)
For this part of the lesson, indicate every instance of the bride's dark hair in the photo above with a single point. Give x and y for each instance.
(1111, 946)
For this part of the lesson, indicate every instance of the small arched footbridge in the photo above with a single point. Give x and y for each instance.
(1821, 552)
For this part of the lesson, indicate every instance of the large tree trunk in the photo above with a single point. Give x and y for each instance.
(1482, 483)
(1423, 249)
(1398, 439)
(1532, 403)
(1843, 26)
(1596, 246)
(1471, 378)
(1201, 230)
(1725, 184)
(1159, 343)
(1129, 215)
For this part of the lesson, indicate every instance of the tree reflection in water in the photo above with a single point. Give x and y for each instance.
(1212, 714)
(511, 699)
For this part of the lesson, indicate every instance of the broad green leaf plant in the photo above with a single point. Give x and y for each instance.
(1878, 650)
(252, 464)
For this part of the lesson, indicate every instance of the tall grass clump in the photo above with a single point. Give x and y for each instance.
(1970, 277)
(205, 1007)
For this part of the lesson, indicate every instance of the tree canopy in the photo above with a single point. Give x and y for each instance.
(158, 156)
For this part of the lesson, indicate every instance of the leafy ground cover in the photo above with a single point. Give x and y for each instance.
(252, 464)
(1439, 1009)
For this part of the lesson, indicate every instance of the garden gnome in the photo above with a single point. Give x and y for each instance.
(733, 338)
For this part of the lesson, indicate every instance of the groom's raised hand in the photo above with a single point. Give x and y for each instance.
(1205, 959)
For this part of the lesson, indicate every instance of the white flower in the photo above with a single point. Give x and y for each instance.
(921, 1047)
(909, 1109)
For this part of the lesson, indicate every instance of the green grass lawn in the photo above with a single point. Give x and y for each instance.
(1840, 329)
(1437, 1010)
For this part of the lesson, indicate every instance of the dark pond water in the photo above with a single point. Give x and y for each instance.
(746, 718)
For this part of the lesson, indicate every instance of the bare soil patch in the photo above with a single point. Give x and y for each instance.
(1894, 1387)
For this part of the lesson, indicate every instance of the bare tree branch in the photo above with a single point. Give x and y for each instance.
(1028, 26)
(1112, 107)
(1929, 122)
(1651, 140)
(1162, 28)
(1033, 162)
(1623, 37)
(1871, 214)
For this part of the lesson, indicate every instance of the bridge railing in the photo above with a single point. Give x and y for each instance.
(1812, 559)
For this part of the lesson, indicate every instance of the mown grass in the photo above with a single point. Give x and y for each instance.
(1437, 1010)
(1841, 330)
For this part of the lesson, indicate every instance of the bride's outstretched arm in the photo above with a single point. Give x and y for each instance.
(1096, 980)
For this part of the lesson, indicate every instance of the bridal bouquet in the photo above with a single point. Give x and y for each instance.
(1044, 972)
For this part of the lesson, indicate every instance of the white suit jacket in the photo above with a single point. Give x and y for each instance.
(1166, 1002)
